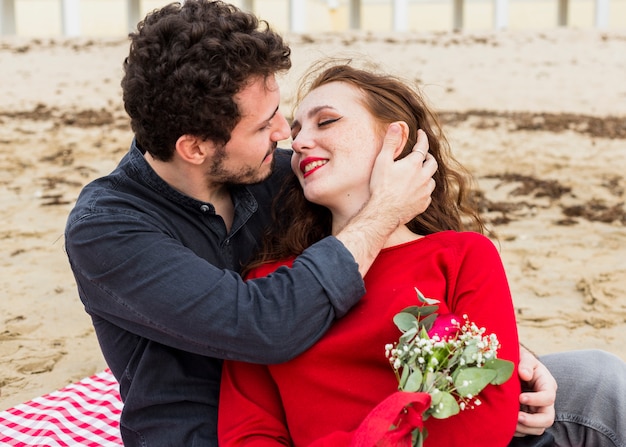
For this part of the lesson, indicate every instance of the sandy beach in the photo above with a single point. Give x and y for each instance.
(538, 116)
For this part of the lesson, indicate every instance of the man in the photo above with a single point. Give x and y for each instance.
(155, 246)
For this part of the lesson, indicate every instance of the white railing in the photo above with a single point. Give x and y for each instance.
(70, 17)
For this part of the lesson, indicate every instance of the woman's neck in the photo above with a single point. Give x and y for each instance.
(402, 235)
(343, 212)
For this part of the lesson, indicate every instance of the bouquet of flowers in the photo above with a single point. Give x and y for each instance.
(452, 361)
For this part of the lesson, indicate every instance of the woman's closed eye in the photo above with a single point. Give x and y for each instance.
(328, 121)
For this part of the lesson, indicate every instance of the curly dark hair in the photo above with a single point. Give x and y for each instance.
(299, 223)
(186, 63)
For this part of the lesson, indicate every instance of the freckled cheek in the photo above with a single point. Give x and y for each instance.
(361, 148)
(348, 143)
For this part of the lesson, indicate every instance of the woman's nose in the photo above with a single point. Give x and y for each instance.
(300, 142)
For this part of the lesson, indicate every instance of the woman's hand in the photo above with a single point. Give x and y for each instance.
(537, 404)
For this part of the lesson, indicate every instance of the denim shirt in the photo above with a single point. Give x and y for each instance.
(157, 272)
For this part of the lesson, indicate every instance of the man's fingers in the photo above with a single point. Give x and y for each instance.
(422, 142)
(421, 146)
(392, 139)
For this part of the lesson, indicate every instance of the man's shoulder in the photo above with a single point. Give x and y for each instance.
(116, 192)
(283, 160)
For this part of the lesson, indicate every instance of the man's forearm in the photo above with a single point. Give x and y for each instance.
(366, 233)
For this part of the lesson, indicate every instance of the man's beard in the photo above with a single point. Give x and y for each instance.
(245, 176)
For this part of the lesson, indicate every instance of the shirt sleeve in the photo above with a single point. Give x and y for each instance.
(132, 274)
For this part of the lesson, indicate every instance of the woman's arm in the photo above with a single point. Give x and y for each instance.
(250, 409)
(479, 289)
(251, 413)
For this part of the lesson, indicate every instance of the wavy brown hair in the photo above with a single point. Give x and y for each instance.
(299, 223)
(186, 63)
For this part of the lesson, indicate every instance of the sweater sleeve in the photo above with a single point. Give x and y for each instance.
(479, 289)
(250, 409)
(251, 413)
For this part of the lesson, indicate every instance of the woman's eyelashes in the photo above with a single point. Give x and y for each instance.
(296, 127)
(323, 123)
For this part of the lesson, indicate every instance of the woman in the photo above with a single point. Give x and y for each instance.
(323, 396)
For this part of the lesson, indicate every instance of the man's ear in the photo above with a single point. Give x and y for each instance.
(193, 149)
(405, 136)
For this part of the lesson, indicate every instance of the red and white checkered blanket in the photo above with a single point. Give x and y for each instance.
(86, 413)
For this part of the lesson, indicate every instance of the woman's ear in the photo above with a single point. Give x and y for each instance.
(405, 136)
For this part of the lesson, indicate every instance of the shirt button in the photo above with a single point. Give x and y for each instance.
(205, 208)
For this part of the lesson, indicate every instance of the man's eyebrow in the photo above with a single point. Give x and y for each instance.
(310, 114)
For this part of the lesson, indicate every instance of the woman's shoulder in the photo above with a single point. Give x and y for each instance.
(462, 241)
(459, 237)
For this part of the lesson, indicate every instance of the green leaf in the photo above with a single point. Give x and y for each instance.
(430, 380)
(428, 310)
(408, 335)
(414, 381)
(435, 397)
(470, 352)
(420, 311)
(418, 437)
(423, 299)
(403, 378)
(503, 368)
(427, 323)
(471, 381)
(404, 321)
(446, 407)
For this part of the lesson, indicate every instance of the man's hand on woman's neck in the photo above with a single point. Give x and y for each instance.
(400, 191)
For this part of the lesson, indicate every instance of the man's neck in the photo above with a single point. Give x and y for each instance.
(192, 182)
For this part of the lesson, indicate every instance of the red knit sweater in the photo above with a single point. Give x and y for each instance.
(323, 395)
